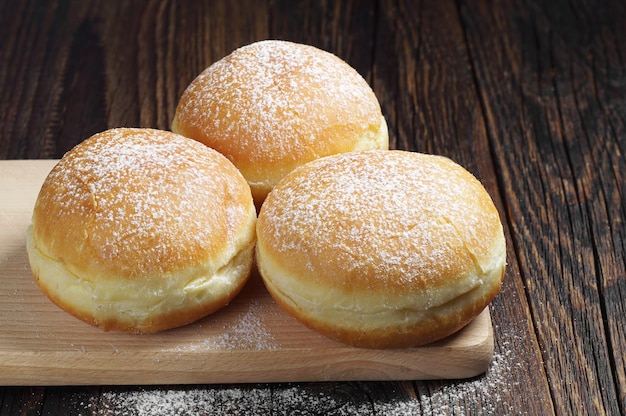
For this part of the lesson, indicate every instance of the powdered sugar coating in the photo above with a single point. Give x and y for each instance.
(272, 105)
(135, 202)
(385, 220)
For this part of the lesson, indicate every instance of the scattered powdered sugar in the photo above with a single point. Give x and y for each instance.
(456, 398)
(497, 392)
(485, 395)
(277, 400)
(188, 402)
(304, 399)
(486, 392)
(249, 333)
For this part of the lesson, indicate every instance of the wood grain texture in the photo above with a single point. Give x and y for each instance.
(84, 67)
(529, 95)
(560, 154)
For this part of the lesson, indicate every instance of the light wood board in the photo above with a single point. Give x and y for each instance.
(250, 340)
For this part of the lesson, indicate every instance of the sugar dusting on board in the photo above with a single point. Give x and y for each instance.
(250, 332)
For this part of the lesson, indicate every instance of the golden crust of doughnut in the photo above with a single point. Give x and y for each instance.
(142, 230)
(381, 248)
(274, 105)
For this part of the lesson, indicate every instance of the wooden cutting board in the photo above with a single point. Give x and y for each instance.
(250, 340)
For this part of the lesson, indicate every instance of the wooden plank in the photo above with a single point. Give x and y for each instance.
(547, 80)
(251, 340)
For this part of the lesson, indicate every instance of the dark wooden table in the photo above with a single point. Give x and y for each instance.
(528, 95)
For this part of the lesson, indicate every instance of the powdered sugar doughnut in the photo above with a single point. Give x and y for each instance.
(381, 249)
(274, 105)
(142, 230)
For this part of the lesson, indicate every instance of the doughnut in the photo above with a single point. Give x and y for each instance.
(142, 230)
(274, 105)
(381, 248)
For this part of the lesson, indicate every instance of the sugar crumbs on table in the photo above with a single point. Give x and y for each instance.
(194, 401)
(485, 393)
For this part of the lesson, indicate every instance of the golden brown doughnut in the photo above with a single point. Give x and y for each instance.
(142, 230)
(381, 249)
(273, 105)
